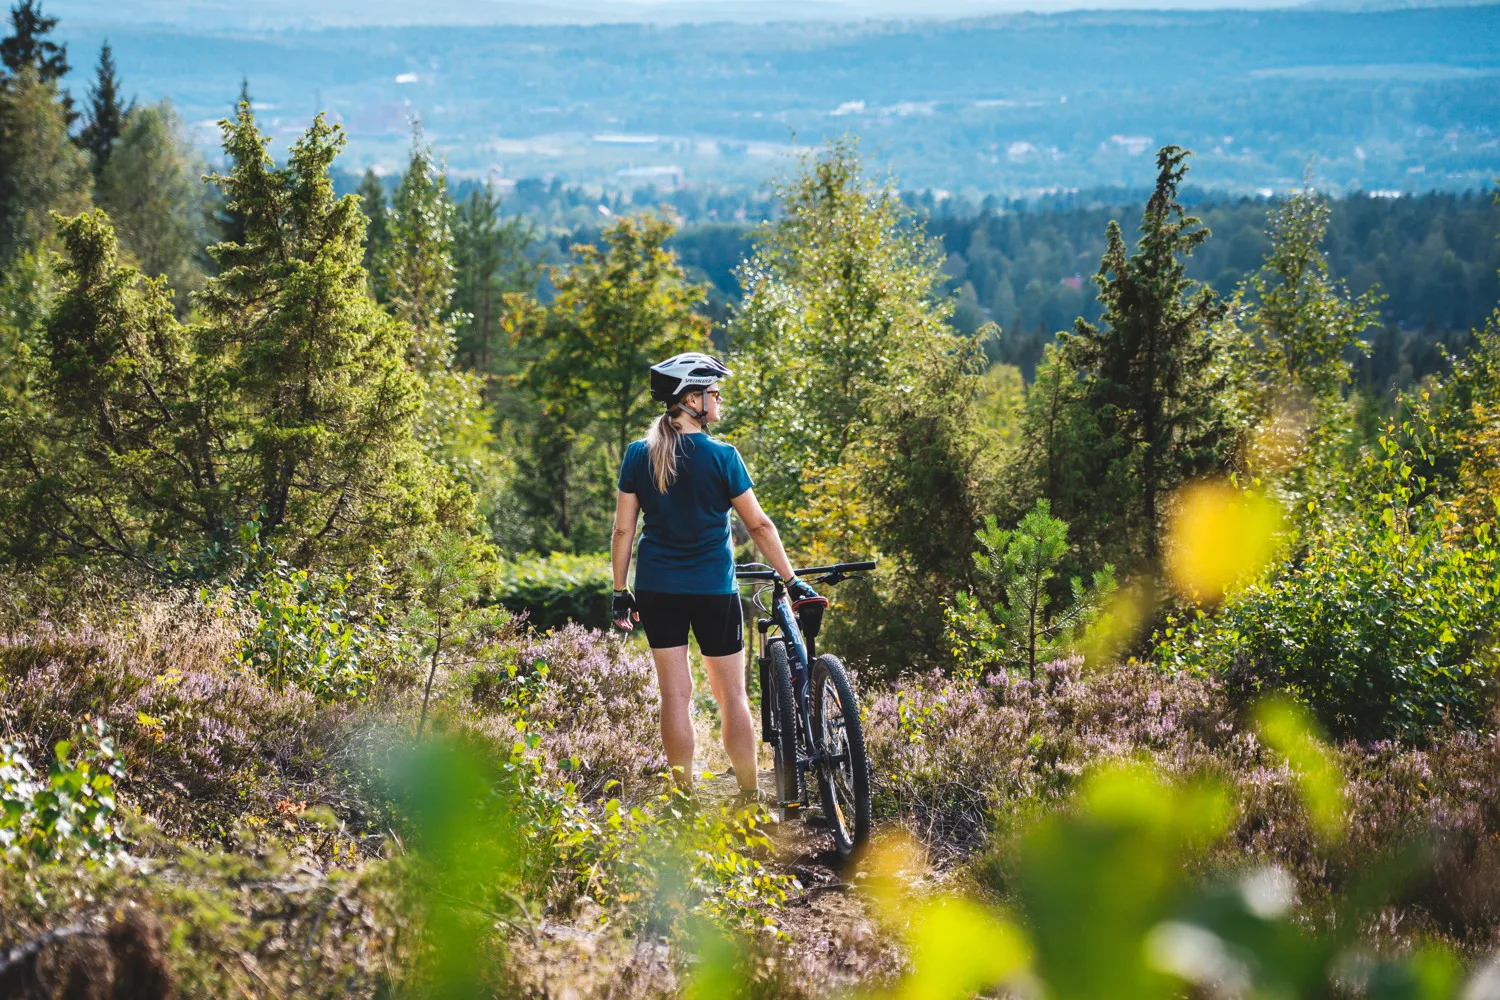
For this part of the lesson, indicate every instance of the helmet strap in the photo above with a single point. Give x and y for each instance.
(682, 407)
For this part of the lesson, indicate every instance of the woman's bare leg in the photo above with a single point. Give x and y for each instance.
(676, 683)
(726, 677)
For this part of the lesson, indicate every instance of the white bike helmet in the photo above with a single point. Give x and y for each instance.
(685, 373)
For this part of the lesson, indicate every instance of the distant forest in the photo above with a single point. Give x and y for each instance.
(1027, 266)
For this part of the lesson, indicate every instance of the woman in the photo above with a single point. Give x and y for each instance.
(686, 483)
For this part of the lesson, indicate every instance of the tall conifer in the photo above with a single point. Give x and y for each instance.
(1148, 373)
(416, 269)
(372, 202)
(490, 256)
(326, 398)
(104, 117)
(231, 219)
(29, 46)
(416, 264)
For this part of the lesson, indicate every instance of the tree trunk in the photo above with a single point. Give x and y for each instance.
(437, 649)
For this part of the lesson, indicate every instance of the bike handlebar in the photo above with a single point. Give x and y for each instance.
(744, 572)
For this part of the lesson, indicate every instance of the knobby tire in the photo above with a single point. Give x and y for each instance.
(847, 806)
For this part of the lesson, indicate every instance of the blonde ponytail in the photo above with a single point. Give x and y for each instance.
(661, 445)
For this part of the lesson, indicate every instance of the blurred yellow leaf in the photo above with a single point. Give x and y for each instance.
(888, 870)
(1289, 729)
(1219, 536)
(1119, 624)
(717, 975)
(959, 947)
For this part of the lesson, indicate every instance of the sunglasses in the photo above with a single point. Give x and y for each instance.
(715, 393)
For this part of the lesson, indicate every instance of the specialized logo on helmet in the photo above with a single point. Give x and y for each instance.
(684, 373)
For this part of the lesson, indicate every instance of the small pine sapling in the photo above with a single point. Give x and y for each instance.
(1020, 628)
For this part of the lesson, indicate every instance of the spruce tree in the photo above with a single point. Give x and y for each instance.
(232, 220)
(416, 264)
(372, 202)
(1148, 370)
(29, 47)
(417, 278)
(490, 257)
(105, 114)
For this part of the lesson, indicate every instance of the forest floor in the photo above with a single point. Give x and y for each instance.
(829, 940)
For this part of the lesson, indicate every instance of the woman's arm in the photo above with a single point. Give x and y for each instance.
(767, 539)
(627, 509)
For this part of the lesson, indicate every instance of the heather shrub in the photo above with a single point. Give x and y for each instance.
(555, 589)
(201, 739)
(591, 698)
(971, 766)
(952, 756)
(1386, 625)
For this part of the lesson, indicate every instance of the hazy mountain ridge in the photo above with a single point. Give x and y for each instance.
(1012, 103)
(272, 14)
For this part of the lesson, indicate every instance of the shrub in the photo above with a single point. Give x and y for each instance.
(69, 816)
(592, 699)
(954, 757)
(315, 631)
(1385, 625)
(203, 740)
(556, 589)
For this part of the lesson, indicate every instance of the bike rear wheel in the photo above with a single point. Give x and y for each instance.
(783, 734)
(844, 770)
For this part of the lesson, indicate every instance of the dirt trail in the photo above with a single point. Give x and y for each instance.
(834, 940)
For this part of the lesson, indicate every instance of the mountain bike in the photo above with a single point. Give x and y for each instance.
(808, 710)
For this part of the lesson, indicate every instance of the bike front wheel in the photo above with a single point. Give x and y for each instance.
(844, 770)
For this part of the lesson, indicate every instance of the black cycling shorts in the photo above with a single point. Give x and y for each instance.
(716, 620)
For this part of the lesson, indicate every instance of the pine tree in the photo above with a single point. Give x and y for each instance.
(372, 202)
(29, 47)
(1148, 372)
(105, 115)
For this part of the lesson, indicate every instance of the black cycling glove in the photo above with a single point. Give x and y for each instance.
(622, 611)
(800, 594)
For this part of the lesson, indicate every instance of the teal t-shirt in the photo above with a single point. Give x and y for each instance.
(685, 548)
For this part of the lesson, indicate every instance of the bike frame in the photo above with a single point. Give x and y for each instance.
(801, 651)
(799, 657)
